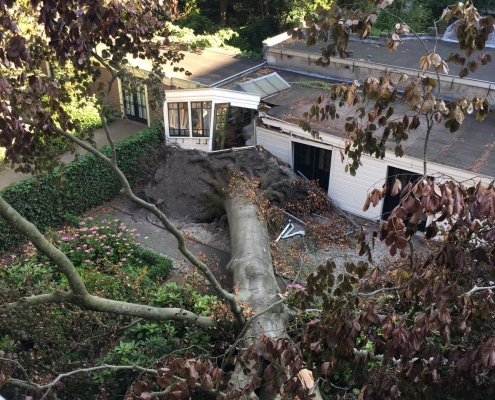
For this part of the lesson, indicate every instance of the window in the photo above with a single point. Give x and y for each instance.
(178, 119)
(201, 117)
(135, 104)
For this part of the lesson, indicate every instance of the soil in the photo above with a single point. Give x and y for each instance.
(179, 178)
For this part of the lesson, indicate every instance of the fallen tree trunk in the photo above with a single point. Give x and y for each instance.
(252, 273)
(251, 269)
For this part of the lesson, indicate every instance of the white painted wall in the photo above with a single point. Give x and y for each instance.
(278, 144)
(349, 192)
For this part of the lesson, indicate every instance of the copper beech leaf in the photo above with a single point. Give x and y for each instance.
(397, 187)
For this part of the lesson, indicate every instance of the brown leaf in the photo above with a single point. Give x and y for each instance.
(376, 196)
(207, 382)
(397, 187)
(367, 203)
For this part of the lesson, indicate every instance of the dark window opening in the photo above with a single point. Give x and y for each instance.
(314, 163)
(201, 117)
(220, 126)
(135, 105)
(390, 202)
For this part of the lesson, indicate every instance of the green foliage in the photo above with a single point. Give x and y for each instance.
(173, 295)
(417, 14)
(198, 23)
(65, 337)
(221, 39)
(147, 341)
(81, 185)
(251, 37)
(85, 114)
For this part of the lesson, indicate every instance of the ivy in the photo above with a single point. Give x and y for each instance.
(78, 187)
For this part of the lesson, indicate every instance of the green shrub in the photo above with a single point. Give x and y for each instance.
(250, 38)
(85, 114)
(82, 185)
(173, 295)
(198, 23)
(65, 336)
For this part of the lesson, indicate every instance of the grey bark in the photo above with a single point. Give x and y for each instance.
(252, 273)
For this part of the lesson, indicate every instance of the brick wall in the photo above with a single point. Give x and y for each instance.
(114, 96)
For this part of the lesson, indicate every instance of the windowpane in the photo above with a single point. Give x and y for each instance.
(201, 116)
(178, 119)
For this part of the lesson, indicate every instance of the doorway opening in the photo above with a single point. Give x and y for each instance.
(389, 201)
(314, 163)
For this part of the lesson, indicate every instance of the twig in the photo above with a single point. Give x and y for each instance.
(26, 376)
(297, 219)
(478, 289)
(379, 291)
(49, 386)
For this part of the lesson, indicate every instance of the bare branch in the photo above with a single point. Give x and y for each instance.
(378, 292)
(105, 104)
(32, 385)
(478, 289)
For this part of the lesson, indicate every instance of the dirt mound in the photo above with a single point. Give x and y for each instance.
(180, 178)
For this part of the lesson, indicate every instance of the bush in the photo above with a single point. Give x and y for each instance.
(85, 114)
(198, 23)
(80, 186)
(67, 337)
(250, 38)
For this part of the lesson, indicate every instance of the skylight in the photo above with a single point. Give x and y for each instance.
(265, 86)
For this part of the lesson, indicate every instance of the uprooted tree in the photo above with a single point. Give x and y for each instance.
(423, 329)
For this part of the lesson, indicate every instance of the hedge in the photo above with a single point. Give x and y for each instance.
(80, 186)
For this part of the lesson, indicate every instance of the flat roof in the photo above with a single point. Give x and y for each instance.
(406, 56)
(471, 148)
(211, 66)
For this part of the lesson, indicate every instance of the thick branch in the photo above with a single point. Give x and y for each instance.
(105, 104)
(17, 222)
(99, 304)
(80, 295)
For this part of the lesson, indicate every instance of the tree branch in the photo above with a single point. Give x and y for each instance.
(17, 222)
(478, 289)
(80, 295)
(105, 104)
(99, 304)
(32, 385)
(429, 126)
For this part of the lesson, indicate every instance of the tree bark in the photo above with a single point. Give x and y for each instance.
(252, 273)
(223, 12)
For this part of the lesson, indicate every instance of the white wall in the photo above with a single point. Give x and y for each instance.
(190, 143)
(349, 192)
(278, 144)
